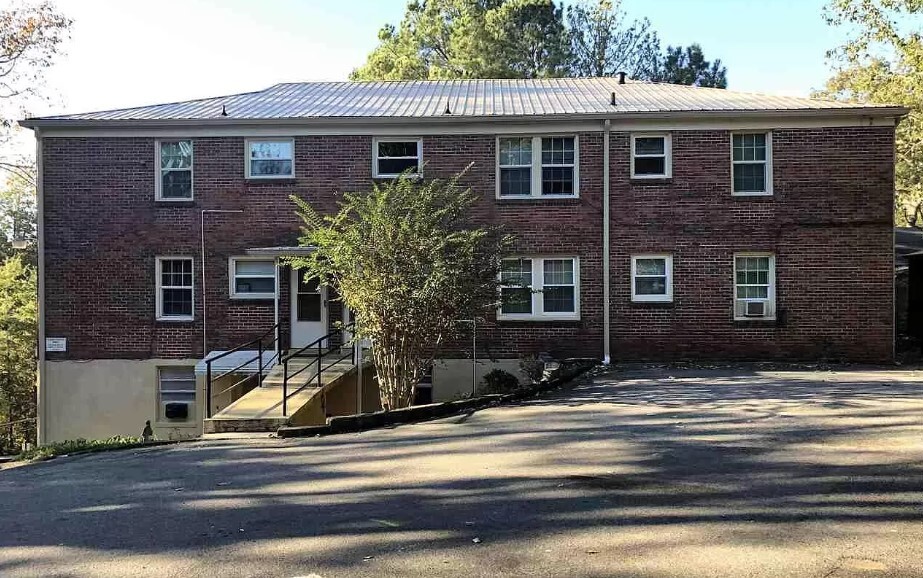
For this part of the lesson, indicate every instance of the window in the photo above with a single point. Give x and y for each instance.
(751, 155)
(392, 157)
(309, 299)
(174, 288)
(754, 286)
(651, 156)
(539, 288)
(271, 159)
(177, 392)
(652, 278)
(554, 159)
(174, 179)
(252, 278)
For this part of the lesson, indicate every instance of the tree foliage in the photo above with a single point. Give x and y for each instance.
(409, 264)
(882, 62)
(30, 39)
(440, 39)
(604, 42)
(17, 351)
(18, 218)
(688, 66)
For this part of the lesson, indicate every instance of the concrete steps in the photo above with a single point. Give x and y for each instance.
(260, 410)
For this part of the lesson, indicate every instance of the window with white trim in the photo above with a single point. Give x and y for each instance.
(537, 167)
(651, 156)
(652, 278)
(174, 177)
(392, 157)
(754, 286)
(176, 389)
(174, 289)
(252, 278)
(270, 158)
(539, 288)
(751, 163)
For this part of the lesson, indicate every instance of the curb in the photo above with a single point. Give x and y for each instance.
(367, 421)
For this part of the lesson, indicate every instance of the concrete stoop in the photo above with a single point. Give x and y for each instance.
(239, 425)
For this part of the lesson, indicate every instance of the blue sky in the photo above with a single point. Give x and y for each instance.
(133, 53)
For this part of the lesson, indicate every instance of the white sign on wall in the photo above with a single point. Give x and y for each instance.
(55, 344)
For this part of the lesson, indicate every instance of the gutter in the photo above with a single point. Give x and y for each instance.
(607, 126)
(864, 111)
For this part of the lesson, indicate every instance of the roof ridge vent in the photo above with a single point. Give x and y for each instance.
(622, 76)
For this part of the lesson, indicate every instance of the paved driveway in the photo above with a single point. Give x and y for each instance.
(649, 473)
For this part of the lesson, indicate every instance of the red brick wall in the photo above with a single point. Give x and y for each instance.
(832, 208)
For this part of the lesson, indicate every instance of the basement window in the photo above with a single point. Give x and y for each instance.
(176, 388)
(174, 289)
(394, 157)
(270, 158)
(252, 278)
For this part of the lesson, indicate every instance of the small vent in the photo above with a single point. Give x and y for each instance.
(755, 309)
(176, 410)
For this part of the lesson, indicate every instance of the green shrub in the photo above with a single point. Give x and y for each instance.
(532, 367)
(51, 450)
(499, 381)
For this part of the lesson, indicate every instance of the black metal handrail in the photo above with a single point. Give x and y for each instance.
(275, 344)
(318, 346)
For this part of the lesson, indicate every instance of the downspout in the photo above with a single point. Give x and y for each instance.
(41, 379)
(607, 126)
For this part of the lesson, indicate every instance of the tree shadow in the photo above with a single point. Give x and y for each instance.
(630, 454)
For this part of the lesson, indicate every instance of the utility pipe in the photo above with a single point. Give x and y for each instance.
(607, 126)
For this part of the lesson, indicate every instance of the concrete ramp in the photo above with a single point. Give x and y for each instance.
(260, 410)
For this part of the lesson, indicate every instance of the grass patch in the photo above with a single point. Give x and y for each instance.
(78, 446)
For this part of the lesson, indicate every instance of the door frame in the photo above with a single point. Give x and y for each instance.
(293, 313)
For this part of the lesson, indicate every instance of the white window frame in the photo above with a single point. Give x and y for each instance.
(668, 273)
(768, 163)
(192, 417)
(538, 281)
(770, 311)
(667, 155)
(158, 278)
(247, 163)
(536, 167)
(232, 278)
(158, 172)
(375, 157)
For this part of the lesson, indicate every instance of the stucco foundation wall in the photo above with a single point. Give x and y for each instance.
(101, 398)
(452, 377)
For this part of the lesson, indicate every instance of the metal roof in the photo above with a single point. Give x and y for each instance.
(463, 99)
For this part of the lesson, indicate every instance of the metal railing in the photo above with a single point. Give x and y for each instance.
(315, 350)
(275, 345)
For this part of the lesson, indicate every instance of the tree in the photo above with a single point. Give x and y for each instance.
(17, 351)
(409, 264)
(30, 39)
(688, 66)
(470, 39)
(604, 42)
(882, 62)
(18, 219)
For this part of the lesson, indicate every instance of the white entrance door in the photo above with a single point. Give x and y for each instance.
(309, 310)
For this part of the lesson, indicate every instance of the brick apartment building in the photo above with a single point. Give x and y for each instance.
(651, 222)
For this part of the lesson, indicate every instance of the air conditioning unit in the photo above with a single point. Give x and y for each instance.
(755, 309)
(177, 410)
